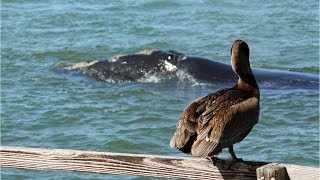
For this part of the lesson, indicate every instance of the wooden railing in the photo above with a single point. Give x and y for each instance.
(148, 165)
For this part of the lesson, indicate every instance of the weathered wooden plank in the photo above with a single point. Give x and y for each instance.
(272, 171)
(136, 164)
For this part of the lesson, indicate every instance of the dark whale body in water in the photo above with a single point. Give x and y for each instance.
(170, 64)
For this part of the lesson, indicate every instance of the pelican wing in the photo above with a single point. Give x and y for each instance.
(242, 117)
(227, 120)
(187, 124)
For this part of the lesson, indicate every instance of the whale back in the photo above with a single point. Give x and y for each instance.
(135, 67)
(163, 65)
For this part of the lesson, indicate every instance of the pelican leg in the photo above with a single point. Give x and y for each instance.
(234, 158)
(233, 155)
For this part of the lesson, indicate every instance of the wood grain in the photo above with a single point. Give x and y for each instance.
(137, 164)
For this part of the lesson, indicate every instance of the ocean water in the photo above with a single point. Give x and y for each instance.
(47, 108)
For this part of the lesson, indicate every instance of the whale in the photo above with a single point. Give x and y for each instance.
(148, 66)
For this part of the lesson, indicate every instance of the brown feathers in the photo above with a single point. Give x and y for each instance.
(223, 118)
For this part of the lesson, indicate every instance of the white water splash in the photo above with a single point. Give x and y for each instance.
(116, 58)
(146, 52)
(79, 65)
(143, 52)
(150, 78)
(169, 67)
(186, 78)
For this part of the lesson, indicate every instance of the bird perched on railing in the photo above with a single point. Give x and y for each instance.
(221, 119)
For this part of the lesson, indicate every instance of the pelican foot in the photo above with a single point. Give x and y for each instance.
(232, 161)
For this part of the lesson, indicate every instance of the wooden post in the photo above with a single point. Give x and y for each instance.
(272, 171)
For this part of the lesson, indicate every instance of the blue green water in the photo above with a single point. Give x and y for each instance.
(45, 108)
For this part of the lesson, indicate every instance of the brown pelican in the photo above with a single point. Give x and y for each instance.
(221, 119)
